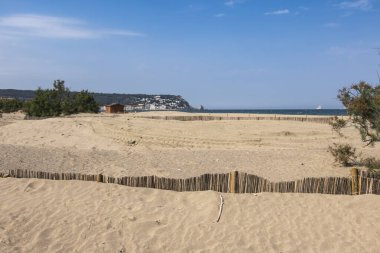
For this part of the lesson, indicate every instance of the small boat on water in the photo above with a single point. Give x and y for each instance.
(319, 107)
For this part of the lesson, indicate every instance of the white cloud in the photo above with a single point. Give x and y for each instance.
(303, 8)
(332, 25)
(219, 15)
(356, 4)
(278, 12)
(231, 3)
(53, 27)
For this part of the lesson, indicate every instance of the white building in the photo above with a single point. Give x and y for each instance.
(128, 108)
(102, 108)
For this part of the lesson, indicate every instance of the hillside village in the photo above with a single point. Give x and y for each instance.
(150, 103)
(158, 103)
(129, 102)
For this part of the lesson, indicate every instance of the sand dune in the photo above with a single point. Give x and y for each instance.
(75, 216)
(126, 145)
(56, 216)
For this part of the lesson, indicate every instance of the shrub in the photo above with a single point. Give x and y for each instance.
(371, 163)
(363, 105)
(60, 101)
(11, 105)
(46, 103)
(338, 124)
(344, 154)
(85, 102)
(362, 102)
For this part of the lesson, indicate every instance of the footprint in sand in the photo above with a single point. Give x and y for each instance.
(32, 186)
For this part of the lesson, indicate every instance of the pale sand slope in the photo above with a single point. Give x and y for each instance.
(74, 216)
(127, 145)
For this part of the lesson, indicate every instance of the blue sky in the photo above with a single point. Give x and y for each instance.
(222, 54)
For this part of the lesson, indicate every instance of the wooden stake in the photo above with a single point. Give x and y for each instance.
(355, 185)
(220, 207)
(232, 182)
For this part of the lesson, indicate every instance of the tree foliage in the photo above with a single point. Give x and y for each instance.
(362, 102)
(338, 124)
(85, 102)
(11, 105)
(371, 163)
(363, 106)
(60, 101)
(343, 153)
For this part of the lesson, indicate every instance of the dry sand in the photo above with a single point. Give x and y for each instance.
(126, 145)
(57, 216)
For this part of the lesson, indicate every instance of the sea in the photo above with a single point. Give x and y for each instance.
(322, 112)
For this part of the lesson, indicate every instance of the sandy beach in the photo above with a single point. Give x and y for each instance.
(127, 144)
(68, 216)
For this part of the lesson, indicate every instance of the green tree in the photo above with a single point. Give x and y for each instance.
(64, 97)
(11, 105)
(59, 101)
(363, 106)
(362, 102)
(44, 104)
(85, 102)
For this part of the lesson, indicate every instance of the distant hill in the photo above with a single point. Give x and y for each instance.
(109, 98)
(19, 94)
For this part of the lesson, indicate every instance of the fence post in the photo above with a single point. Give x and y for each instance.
(355, 184)
(233, 181)
(99, 178)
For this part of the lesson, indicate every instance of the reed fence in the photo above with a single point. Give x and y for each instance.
(360, 182)
(323, 120)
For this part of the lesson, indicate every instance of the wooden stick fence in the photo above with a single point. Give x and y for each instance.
(360, 182)
(323, 120)
(368, 182)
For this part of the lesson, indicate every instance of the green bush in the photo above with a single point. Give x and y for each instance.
(11, 105)
(85, 102)
(344, 154)
(338, 124)
(371, 163)
(362, 102)
(363, 105)
(60, 101)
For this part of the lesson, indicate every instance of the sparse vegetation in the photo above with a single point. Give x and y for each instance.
(363, 106)
(362, 102)
(60, 101)
(344, 154)
(11, 105)
(371, 163)
(338, 124)
(85, 102)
